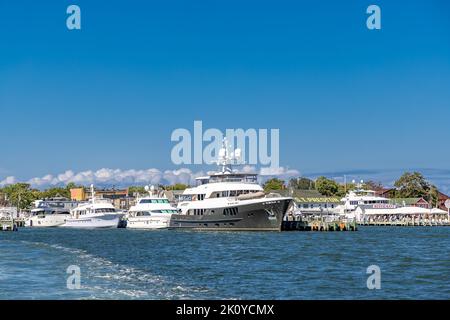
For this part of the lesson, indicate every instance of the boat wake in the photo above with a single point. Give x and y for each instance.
(104, 279)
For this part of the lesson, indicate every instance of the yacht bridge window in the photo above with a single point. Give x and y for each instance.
(230, 193)
(153, 201)
(235, 177)
(104, 210)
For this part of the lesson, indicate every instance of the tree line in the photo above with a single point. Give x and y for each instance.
(409, 185)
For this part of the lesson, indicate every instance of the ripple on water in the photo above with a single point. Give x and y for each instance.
(119, 264)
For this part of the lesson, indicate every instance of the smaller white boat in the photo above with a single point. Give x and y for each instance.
(51, 212)
(151, 212)
(98, 213)
(7, 215)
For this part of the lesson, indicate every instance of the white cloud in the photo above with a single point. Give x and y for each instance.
(8, 180)
(280, 171)
(119, 177)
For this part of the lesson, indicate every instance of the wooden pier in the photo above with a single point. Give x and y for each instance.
(318, 225)
(404, 223)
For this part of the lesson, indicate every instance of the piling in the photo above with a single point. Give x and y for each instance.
(317, 224)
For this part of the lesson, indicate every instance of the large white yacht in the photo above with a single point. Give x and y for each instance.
(151, 212)
(98, 213)
(228, 200)
(51, 212)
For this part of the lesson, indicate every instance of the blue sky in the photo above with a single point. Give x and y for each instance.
(346, 99)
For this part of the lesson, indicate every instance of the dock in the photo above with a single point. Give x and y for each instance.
(405, 223)
(8, 225)
(317, 224)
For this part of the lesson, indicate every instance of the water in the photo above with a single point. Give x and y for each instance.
(128, 264)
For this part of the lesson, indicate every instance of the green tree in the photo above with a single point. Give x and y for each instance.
(412, 185)
(327, 187)
(302, 183)
(372, 185)
(433, 196)
(177, 186)
(20, 195)
(273, 184)
(136, 189)
(344, 188)
(54, 192)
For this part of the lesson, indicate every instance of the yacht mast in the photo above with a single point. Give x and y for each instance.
(93, 194)
(226, 158)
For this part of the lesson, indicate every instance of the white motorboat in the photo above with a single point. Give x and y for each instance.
(52, 212)
(151, 212)
(98, 213)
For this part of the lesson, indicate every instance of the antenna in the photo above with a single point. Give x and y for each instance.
(226, 158)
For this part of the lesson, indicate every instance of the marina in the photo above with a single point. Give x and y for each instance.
(227, 200)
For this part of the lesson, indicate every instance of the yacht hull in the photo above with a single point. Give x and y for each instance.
(103, 221)
(265, 215)
(55, 220)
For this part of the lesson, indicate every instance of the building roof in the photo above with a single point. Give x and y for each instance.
(299, 193)
(408, 201)
(307, 196)
(443, 196)
(317, 200)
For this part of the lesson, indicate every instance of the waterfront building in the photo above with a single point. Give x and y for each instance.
(312, 202)
(411, 202)
(441, 201)
(120, 198)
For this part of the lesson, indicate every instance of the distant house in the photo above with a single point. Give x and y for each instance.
(312, 201)
(411, 202)
(315, 205)
(385, 192)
